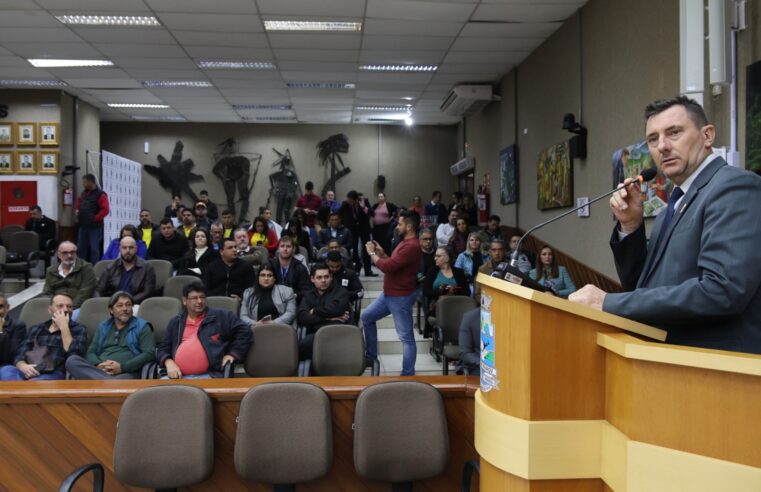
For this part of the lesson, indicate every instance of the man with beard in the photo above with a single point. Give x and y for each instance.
(228, 275)
(146, 228)
(168, 245)
(324, 304)
(128, 273)
(288, 270)
(73, 276)
(496, 256)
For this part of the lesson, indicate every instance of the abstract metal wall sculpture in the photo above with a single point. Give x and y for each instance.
(328, 151)
(175, 174)
(284, 185)
(234, 169)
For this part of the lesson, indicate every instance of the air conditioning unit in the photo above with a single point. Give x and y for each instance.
(467, 100)
(462, 166)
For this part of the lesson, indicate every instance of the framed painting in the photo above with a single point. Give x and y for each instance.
(628, 162)
(6, 161)
(25, 161)
(508, 175)
(48, 134)
(26, 134)
(49, 161)
(6, 133)
(555, 177)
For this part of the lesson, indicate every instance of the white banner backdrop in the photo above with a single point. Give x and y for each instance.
(122, 181)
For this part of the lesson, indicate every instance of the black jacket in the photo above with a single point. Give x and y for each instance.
(223, 280)
(221, 333)
(297, 276)
(44, 227)
(14, 333)
(142, 284)
(173, 249)
(349, 280)
(343, 235)
(334, 302)
(208, 257)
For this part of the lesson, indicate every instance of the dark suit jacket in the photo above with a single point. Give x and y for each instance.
(701, 281)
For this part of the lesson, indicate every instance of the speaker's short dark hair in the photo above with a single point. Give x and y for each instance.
(694, 109)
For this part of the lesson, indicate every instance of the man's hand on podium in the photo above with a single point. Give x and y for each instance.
(589, 295)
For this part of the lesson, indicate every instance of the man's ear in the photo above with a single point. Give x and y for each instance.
(709, 134)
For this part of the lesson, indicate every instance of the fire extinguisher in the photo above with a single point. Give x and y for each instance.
(483, 206)
(68, 196)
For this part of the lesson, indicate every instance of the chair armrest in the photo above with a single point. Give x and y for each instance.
(467, 474)
(95, 468)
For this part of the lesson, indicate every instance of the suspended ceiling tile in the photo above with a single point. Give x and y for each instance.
(159, 74)
(248, 84)
(10, 61)
(457, 78)
(243, 74)
(5, 52)
(320, 94)
(317, 55)
(397, 27)
(496, 44)
(132, 35)
(401, 56)
(395, 78)
(208, 99)
(474, 68)
(127, 62)
(389, 94)
(146, 50)
(28, 18)
(204, 6)
(320, 76)
(497, 57)
(321, 41)
(234, 39)
(89, 72)
(510, 29)
(28, 72)
(125, 96)
(212, 22)
(404, 43)
(92, 6)
(314, 66)
(381, 86)
(38, 35)
(103, 83)
(325, 8)
(327, 101)
(525, 12)
(18, 5)
(54, 50)
(185, 91)
(267, 96)
(247, 93)
(228, 53)
(418, 10)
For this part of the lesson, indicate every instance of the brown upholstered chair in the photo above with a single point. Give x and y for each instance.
(164, 438)
(274, 352)
(339, 350)
(284, 434)
(400, 433)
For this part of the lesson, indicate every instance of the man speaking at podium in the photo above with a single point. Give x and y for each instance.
(698, 277)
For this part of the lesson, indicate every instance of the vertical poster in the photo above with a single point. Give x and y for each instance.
(508, 175)
(554, 174)
(121, 179)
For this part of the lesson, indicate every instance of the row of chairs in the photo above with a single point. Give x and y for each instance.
(446, 328)
(284, 436)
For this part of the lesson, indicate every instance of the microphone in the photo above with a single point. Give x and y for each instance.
(646, 175)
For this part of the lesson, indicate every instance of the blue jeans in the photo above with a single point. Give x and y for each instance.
(88, 244)
(10, 373)
(400, 308)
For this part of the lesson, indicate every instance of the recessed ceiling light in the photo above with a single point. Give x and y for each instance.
(33, 83)
(282, 107)
(176, 83)
(55, 63)
(274, 25)
(157, 118)
(109, 20)
(409, 121)
(236, 64)
(384, 108)
(138, 105)
(320, 85)
(399, 68)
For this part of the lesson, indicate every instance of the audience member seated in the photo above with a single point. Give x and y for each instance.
(112, 252)
(496, 256)
(459, 240)
(334, 245)
(42, 354)
(524, 263)
(267, 302)
(187, 225)
(310, 202)
(445, 231)
(470, 342)
(492, 230)
(336, 230)
(216, 234)
(553, 276)
(200, 341)
(199, 257)
(168, 245)
(325, 303)
(445, 281)
(128, 273)
(202, 220)
(299, 235)
(228, 275)
(122, 344)
(211, 207)
(331, 202)
(470, 260)
(172, 210)
(12, 333)
(146, 229)
(289, 270)
(344, 276)
(262, 235)
(44, 226)
(267, 214)
(242, 245)
(228, 223)
(72, 276)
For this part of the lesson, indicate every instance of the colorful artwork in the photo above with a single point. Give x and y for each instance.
(629, 162)
(489, 375)
(508, 175)
(555, 177)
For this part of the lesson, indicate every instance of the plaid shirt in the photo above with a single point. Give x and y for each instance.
(54, 343)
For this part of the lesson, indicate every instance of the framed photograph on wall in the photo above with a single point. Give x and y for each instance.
(6, 161)
(6, 133)
(48, 134)
(49, 161)
(26, 134)
(555, 177)
(25, 161)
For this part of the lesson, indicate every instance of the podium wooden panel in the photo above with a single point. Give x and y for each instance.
(590, 401)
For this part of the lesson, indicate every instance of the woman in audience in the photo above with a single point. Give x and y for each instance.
(552, 275)
(299, 235)
(459, 240)
(417, 205)
(313, 232)
(471, 259)
(383, 214)
(268, 302)
(446, 280)
(262, 235)
(112, 252)
(200, 255)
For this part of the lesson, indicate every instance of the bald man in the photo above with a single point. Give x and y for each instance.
(129, 273)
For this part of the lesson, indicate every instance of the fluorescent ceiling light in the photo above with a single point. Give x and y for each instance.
(282, 107)
(109, 20)
(33, 83)
(176, 83)
(275, 118)
(138, 105)
(320, 85)
(409, 121)
(384, 108)
(236, 64)
(158, 118)
(274, 25)
(399, 68)
(53, 63)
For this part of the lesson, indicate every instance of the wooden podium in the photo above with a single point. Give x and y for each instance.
(581, 400)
